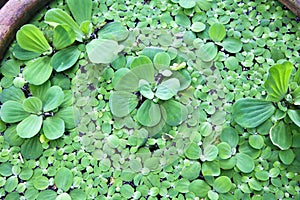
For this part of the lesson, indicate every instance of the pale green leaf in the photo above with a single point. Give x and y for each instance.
(53, 98)
(145, 89)
(217, 32)
(81, 10)
(30, 126)
(232, 45)
(207, 52)
(250, 113)
(176, 112)
(143, 68)
(277, 82)
(168, 89)
(149, 113)
(32, 105)
(53, 127)
(63, 179)
(125, 80)
(70, 116)
(162, 61)
(12, 93)
(12, 111)
(222, 184)
(244, 162)
(121, 103)
(113, 31)
(30, 38)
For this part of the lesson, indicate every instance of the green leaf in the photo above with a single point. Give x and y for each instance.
(47, 194)
(167, 89)
(63, 36)
(193, 151)
(287, 156)
(40, 91)
(176, 112)
(102, 51)
(296, 96)
(65, 59)
(30, 38)
(125, 80)
(63, 196)
(12, 94)
(145, 89)
(38, 71)
(182, 20)
(32, 105)
(232, 45)
(224, 150)
(210, 153)
(182, 186)
(11, 184)
(230, 136)
(244, 163)
(57, 16)
(30, 126)
(256, 141)
(127, 191)
(294, 116)
(207, 52)
(23, 54)
(198, 27)
(217, 32)
(199, 187)
(63, 179)
(12, 111)
(187, 4)
(32, 148)
(11, 136)
(5, 169)
(11, 68)
(82, 14)
(281, 136)
(162, 61)
(191, 172)
(87, 28)
(277, 82)
(150, 52)
(40, 182)
(184, 78)
(222, 184)
(78, 194)
(69, 115)
(113, 31)
(250, 113)
(53, 98)
(26, 173)
(53, 127)
(143, 68)
(149, 113)
(122, 103)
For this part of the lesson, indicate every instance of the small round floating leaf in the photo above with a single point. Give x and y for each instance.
(250, 113)
(32, 148)
(40, 182)
(210, 153)
(255, 185)
(281, 136)
(30, 126)
(5, 169)
(217, 32)
(176, 114)
(256, 141)
(65, 59)
(162, 61)
(187, 4)
(12, 111)
(232, 45)
(30, 38)
(198, 27)
(26, 174)
(38, 71)
(231, 63)
(78, 194)
(11, 184)
(222, 184)
(167, 89)
(32, 105)
(193, 151)
(53, 98)
(149, 113)
(287, 156)
(63, 36)
(182, 20)
(102, 51)
(244, 163)
(53, 127)
(122, 103)
(47, 194)
(113, 31)
(63, 179)
(224, 150)
(207, 52)
(191, 172)
(127, 191)
(82, 14)
(143, 68)
(277, 82)
(199, 187)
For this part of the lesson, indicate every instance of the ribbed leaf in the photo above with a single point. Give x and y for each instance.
(81, 10)
(53, 127)
(122, 103)
(250, 113)
(143, 68)
(53, 98)
(32, 148)
(149, 113)
(12, 93)
(69, 115)
(113, 31)
(125, 80)
(57, 16)
(167, 89)
(30, 126)
(281, 136)
(30, 38)
(278, 80)
(63, 36)
(32, 105)
(65, 59)
(12, 111)
(295, 116)
(38, 71)
(176, 112)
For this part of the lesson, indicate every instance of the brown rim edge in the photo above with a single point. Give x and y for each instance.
(12, 16)
(293, 5)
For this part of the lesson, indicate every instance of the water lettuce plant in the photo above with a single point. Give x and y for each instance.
(280, 106)
(152, 85)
